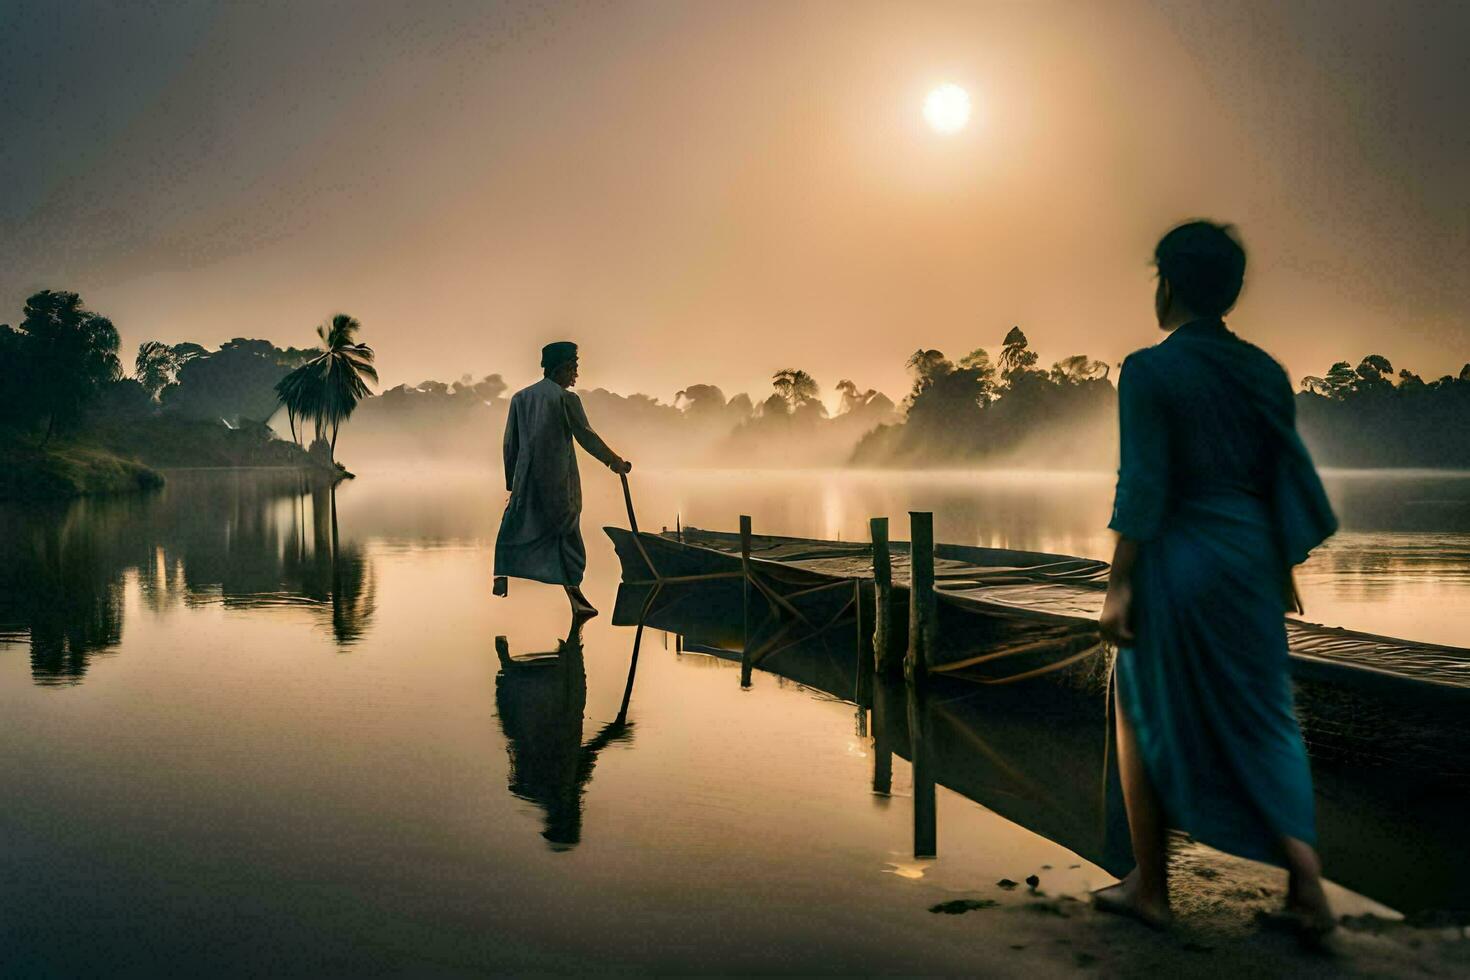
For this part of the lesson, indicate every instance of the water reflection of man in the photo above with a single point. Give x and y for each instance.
(541, 699)
(540, 536)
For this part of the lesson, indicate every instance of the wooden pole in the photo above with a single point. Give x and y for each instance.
(882, 594)
(745, 597)
(882, 737)
(628, 501)
(926, 830)
(923, 610)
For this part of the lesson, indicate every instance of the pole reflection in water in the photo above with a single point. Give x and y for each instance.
(921, 754)
(541, 699)
(882, 729)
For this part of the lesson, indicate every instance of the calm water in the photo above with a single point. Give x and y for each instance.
(245, 731)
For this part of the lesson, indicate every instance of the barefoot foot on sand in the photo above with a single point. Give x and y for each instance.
(1123, 899)
(1313, 925)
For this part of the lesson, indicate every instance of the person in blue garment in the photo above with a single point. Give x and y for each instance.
(540, 536)
(1216, 500)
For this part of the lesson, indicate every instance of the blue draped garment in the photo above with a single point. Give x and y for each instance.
(1222, 498)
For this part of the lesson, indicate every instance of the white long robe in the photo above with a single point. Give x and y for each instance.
(540, 535)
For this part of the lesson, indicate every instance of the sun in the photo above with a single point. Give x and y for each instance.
(947, 108)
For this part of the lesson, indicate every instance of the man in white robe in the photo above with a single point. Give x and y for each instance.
(541, 536)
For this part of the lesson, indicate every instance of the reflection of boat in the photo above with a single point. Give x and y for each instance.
(1388, 749)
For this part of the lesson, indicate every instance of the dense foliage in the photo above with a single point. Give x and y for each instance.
(1368, 417)
(965, 411)
(70, 423)
(55, 364)
(234, 384)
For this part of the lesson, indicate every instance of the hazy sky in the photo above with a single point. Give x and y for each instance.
(706, 192)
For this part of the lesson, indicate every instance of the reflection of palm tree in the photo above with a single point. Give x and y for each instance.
(335, 573)
(327, 388)
(353, 588)
(206, 538)
(540, 700)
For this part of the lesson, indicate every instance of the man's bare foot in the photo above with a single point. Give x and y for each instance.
(581, 608)
(1306, 903)
(1123, 899)
(1307, 912)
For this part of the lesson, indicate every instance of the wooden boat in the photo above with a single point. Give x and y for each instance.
(1002, 613)
(1030, 618)
(1038, 753)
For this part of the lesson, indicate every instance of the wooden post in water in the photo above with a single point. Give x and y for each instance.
(745, 597)
(926, 830)
(882, 727)
(923, 609)
(882, 594)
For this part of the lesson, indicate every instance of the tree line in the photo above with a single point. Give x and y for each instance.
(1368, 416)
(965, 410)
(62, 376)
(61, 373)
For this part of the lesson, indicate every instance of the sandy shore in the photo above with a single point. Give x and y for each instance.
(1218, 901)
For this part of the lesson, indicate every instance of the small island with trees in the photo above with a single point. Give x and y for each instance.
(73, 422)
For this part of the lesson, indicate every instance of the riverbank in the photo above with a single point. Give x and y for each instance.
(1223, 926)
(66, 471)
(127, 455)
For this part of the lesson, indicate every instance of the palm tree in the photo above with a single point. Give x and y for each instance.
(327, 388)
(156, 366)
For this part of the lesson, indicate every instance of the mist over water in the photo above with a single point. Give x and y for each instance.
(445, 428)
